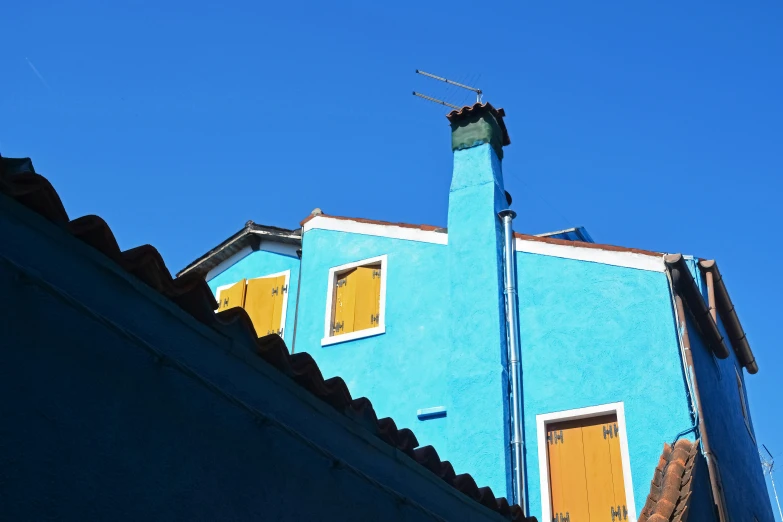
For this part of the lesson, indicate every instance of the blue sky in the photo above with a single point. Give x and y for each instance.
(654, 124)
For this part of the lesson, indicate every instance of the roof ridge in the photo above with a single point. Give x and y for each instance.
(191, 293)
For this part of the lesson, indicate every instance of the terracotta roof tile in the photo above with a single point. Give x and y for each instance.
(191, 293)
(670, 489)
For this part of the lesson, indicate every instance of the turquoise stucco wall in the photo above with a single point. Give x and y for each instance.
(404, 369)
(259, 264)
(595, 334)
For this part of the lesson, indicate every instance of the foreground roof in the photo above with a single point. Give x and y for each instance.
(191, 293)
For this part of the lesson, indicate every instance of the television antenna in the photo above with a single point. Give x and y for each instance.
(450, 82)
(768, 465)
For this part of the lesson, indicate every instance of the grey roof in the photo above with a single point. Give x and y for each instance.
(251, 235)
(570, 234)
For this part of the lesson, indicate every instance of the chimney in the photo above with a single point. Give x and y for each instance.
(476, 374)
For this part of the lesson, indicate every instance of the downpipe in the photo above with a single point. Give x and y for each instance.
(514, 357)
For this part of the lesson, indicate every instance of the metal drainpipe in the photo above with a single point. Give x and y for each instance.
(711, 296)
(298, 288)
(514, 357)
(705, 443)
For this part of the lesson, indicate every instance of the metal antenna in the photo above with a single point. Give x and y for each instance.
(769, 467)
(451, 82)
(430, 98)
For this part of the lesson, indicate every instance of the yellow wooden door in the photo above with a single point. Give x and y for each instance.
(553, 438)
(232, 296)
(260, 304)
(585, 471)
(344, 303)
(598, 468)
(617, 471)
(572, 502)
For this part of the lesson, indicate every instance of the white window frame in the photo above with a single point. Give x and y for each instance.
(744, 407)
(543, 420)
(367, 332)
(286, 273)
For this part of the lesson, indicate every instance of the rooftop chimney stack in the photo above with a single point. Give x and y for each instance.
(475, 261)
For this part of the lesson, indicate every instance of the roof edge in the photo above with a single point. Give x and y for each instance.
(517, 235)
(208, 261)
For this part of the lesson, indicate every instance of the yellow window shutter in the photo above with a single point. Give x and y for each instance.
(365, 295)
(277, 310)
(232, 296)
(260, 304)
(376, 295)
(344, 303)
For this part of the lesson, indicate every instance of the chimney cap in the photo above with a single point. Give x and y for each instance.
(476, 110)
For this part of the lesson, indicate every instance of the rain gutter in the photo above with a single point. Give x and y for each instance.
(685, 286)
(720, 301)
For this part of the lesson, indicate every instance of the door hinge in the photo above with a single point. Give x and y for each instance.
(285, 288)
(375, 319)
(275, 290)
(610, 430)
(553, 436)
(342, 282)
(376, 273)
(560, 518)
(620, 514)
(338, 326)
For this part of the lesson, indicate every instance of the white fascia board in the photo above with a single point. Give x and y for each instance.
(266, 245)
(375, 229)
(593, 255)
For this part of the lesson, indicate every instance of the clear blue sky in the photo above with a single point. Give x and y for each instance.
(654, 124)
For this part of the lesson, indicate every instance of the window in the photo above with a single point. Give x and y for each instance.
(584, 465)
(355, 302)
(743, 402)
(264, 299)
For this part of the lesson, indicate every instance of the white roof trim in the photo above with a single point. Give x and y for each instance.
(375, 229)
(578, 253)
(593, 255)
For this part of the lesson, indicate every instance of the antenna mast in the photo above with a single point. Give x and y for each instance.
(769, 467)
(450, 82)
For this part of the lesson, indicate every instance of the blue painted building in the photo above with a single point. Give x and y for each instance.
(622, 350)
